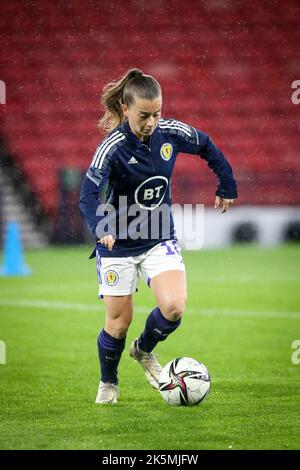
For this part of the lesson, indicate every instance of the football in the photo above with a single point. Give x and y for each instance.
(184, 381)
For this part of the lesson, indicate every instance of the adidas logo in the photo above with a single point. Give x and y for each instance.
(132, 160)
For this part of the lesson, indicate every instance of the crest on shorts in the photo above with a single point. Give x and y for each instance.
(111, 278)
(166, 151)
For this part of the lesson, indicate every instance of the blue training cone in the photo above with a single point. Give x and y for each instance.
(13, 262)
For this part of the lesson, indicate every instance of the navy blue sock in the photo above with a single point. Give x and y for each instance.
(110, 350)
(157, 329)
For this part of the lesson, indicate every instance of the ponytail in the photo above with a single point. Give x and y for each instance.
(133, 83)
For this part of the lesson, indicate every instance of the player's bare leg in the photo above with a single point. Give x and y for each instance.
(169, 289)
(118, 314)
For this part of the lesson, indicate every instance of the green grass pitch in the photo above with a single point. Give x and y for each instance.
(243, 314)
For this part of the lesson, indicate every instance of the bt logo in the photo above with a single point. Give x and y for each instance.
(150, 193)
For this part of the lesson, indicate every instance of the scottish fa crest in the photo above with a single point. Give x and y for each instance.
(111, 278)
(166, 151)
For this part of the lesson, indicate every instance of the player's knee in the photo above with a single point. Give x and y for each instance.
(174, 309)
(119, 327)
(119, 331)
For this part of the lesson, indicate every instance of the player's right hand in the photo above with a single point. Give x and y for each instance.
(225, 203)
(108, 241)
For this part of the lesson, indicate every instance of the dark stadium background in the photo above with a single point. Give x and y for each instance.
(228, 68)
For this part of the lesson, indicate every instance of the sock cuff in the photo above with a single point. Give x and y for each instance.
(162, 321)
(109, 342)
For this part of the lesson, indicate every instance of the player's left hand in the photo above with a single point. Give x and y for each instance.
(222, 202)
(108, 241)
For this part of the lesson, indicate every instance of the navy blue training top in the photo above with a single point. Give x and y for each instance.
(136, 176)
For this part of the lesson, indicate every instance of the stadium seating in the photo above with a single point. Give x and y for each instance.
(225, 67)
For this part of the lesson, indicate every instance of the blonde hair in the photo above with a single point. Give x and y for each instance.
(133, 83)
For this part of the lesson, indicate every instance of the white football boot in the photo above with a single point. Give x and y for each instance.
(107, 393)
(148, 361)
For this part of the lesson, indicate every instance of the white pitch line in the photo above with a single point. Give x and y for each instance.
(50, 305)
(40, 304)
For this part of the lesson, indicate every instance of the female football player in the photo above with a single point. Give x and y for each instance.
(134, 228)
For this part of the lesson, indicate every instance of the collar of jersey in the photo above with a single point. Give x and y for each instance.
(128, 132)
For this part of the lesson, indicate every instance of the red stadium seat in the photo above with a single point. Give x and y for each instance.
(221, 69)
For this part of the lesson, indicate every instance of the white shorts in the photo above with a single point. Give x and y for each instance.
(119, 276)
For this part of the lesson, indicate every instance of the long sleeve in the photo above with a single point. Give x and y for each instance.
(196, 142)
(92, 186)
(217, 162)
